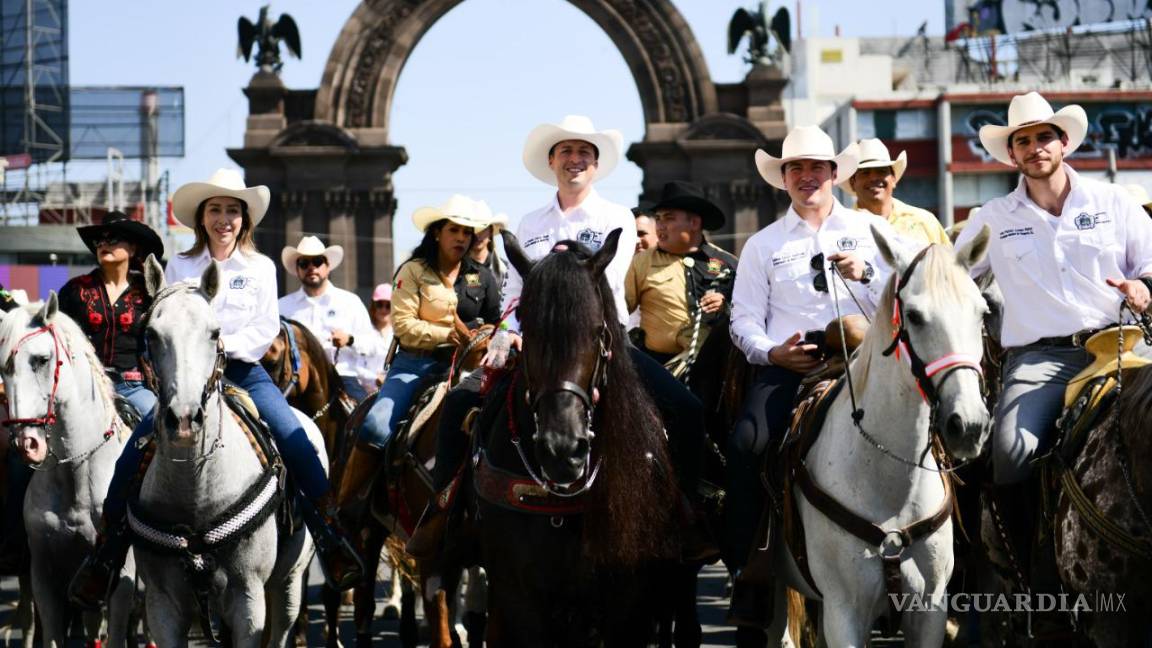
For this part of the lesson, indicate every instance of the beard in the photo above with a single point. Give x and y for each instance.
(1041, 173)
(312, 281)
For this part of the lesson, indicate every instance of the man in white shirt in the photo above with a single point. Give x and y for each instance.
(335, 316)
(1066, 251)
(783, 291)
(571, 156)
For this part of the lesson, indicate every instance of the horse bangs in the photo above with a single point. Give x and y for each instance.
(554, 307)
(12, 329)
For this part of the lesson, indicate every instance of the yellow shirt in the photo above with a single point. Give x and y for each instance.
(915, 223)
(423, 307)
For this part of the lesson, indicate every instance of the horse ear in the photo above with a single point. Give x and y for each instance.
(515, 253)
(892, 252)
(974, 250)
(49, 309)
(210, 280)
(606, 253)
(154, 280)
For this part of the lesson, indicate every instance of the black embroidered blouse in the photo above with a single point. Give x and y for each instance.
(113, 328)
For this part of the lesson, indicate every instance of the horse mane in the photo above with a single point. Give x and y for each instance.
(628, 511)
(309, 344)
(13, 328)
(944, 276)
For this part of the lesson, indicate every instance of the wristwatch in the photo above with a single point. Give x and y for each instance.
(869, 272)
(351, 339)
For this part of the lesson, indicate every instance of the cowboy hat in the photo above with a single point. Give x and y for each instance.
(1029, 110)
(115, 223)
(225, 182)
(461, 210)
(609, 144)
(872, 154)
(310, 246)
(804, 143)
(690, 198)
(483, 214)
(499, 221)
(1139, 193)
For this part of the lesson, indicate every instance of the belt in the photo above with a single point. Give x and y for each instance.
(125, 376)
(1077, 339)
(442, 354)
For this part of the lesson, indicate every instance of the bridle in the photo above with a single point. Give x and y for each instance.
(49, 419)
(214, 385)
(587, 396)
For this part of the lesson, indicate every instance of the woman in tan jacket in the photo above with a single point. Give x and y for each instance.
(440, 296)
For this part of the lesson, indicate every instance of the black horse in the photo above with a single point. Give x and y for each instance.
(575, 492)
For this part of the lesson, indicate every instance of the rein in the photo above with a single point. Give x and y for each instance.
(294, 355)
(49, 420)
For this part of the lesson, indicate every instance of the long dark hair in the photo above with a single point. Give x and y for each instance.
(429, 249)
(627, 516)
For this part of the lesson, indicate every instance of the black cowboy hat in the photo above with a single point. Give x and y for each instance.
(643, 208)
(690, 198)
(146, 239)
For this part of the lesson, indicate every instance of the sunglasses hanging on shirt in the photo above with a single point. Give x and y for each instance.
(819, 280)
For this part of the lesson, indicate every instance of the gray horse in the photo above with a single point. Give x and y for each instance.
(231, 562)
(63, 422)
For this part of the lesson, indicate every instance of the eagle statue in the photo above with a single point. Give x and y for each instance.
(268, 35)
(758, 28)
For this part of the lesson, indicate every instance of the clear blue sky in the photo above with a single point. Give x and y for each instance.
(477, 82)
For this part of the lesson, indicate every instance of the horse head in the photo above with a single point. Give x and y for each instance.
(183, 352)
(569, 320)
(43, 355)
(937, 316)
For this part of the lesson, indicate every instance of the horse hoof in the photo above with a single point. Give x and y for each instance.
(391, 612)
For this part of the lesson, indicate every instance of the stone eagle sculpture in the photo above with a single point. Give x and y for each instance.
(758, 28)
(268, 35)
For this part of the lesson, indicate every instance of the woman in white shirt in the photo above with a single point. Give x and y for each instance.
(223, 213)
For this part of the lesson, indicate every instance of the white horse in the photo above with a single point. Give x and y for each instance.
(63, 421)
(199, 550)
(932, 312)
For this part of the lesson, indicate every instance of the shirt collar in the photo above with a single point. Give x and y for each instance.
(792, 220)
(1020, 197)
(238, 257)
(589, 201)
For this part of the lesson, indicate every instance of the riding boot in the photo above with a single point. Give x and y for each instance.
(93, 581)
(358, 473)
(751, 604)
(428, 537)
(697, 542)
(342, 566)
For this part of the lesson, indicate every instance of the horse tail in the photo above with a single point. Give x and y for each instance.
(797, 617)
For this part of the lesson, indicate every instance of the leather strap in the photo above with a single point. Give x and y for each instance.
(518, 493)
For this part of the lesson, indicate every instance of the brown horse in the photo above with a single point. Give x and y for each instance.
(300, 367)
(398, 494)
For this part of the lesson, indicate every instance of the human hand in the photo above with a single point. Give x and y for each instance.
(849, 265)
(1134, 291)
(712, 302)
(794, 354)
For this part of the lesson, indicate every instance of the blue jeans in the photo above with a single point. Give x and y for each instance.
(299, 455)
(395, 396)
(353, 388)
(136, 393)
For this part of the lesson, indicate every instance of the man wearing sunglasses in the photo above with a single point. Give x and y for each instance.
(335, 316)
(796, 275)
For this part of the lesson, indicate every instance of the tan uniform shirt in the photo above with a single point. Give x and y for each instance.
(915, 223)
(423, 308)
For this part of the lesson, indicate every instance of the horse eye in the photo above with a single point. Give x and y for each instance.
(37, 362)
(915, 317)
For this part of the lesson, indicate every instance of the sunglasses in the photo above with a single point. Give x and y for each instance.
(819, 280)
(382, 304)
(308, 262)
(108, 239)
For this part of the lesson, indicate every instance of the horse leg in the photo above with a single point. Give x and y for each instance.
(50, 604)
(475, 606)
(332, 600)
(300, 627)
(245, 612)
(26, 616)
(121, 605)
(843, 625)
(392, 605)
(364, 597)
(688, 631)
(409, 628)
(168, 619)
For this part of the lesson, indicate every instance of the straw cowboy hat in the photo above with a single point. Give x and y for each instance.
(1029, 110)
(117, 224)
(540, 141)
(461, 210)
(310, 246)
(690, 198)
(804, 143)
(225, 182)
(872, 154)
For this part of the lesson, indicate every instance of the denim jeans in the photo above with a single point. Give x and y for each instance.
(136, 393)
(299, 454)
(395, 396)
(353, 388)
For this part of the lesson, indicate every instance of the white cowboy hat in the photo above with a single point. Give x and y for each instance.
(1139, 193)
(461, 210)
(225, 182)
(540, 141)
(804, 143)
(310, 246)
(19, 295)
(500, 221)
(874, 155)
(1029, 110)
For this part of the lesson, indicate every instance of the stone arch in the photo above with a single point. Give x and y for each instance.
(360, 77)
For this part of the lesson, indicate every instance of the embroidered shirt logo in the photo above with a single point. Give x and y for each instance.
(591, 238)
(1085, 221)
(714, 266)
(846, 243)
(472, 279)
(238, 283)
(332, 313)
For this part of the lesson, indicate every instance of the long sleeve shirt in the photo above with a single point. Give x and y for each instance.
(1052, 269)
(335, 309)
(588, 223)
(774, 295)
(113, 328)
(245, 303)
